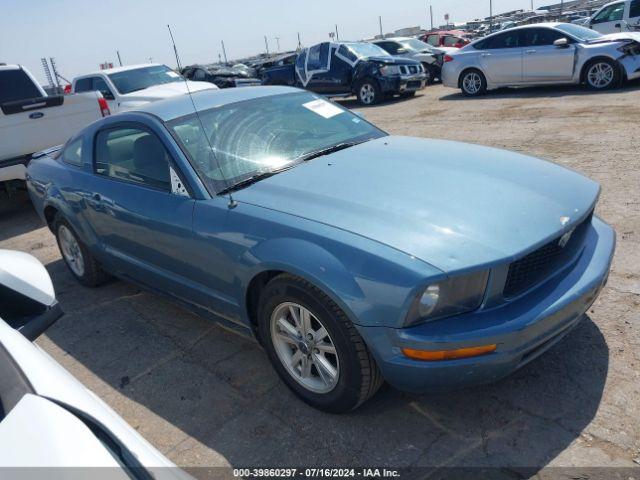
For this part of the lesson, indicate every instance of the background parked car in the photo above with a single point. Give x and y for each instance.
(544, 54)
(31, 120)
(350, 68)
(620, 16)
(446, 38)
(47, 418)
(222, 76)
(430, 56)
(134, 85)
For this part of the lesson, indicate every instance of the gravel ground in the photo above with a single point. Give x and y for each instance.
(207, 397)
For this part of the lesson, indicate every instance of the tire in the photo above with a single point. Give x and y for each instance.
(431, 73)
(473, 83)
(368, 92)
(601, 74)
(82, 265)
(355, 374)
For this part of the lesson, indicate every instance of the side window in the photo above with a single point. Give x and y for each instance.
(133, 155)
(503, 40)
(634, 9)
(610, 14)
(84, 85)
(300, 61)
(390, 47)
(318, 57)
(73, 153)
(450, 41)
(433, 40)
(199, 75)
(537, 37)
(344, 52)
(99, 85)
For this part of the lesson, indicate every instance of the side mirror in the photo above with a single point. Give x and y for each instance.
(561, 42)
(27, 299)
(401, 51)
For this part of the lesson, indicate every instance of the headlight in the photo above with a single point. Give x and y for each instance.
(390, 70)
(448, 297)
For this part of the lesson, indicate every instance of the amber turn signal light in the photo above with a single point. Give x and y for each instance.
(435, 355)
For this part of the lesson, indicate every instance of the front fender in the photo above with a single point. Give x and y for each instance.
(308, 261)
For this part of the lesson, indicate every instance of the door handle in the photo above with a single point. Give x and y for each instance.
(529, 52)
(486, 54)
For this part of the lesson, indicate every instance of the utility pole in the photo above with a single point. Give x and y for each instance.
(532, 5)
(119, 59)
(431, 16)
(490, 15)
(219, 58)
(561, 7)
(224, 52)
(277, 39)
(380, 22)
(299, 42)
(266, 44)
(337, 36)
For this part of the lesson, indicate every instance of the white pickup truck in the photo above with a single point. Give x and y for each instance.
(31, 121)
(134, 85)
(619, 16)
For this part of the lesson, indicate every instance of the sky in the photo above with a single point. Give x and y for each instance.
(83, 34)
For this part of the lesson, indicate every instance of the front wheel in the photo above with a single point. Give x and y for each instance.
(602, 74)
(473, 83)
(314, 347)
(368, 92)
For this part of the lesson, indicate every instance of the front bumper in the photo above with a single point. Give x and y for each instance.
(403, 83)
(522, 329)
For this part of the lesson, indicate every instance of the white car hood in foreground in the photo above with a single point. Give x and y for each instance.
(167, 90)
(620, 36)
(42, 431)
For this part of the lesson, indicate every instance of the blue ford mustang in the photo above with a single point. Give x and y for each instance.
(353, 256)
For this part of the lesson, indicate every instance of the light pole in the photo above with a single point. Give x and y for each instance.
(278, 42)
(266, 44)
(431, 16)
(380, 22)
(224, 51)
(490, 15)
(337, 36)
(299, 42)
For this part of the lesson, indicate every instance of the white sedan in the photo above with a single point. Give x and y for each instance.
(48, 418)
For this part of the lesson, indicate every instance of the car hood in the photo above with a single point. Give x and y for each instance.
(393, 60)
(452, 205)
(167, 90)
(618, 37)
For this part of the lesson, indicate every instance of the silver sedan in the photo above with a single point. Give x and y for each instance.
(544, 53)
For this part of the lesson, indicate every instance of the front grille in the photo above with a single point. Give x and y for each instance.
(539, 264)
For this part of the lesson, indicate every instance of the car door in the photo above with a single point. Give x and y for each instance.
(321, 78)
(609, 18)
(542, 60)
(139, 208)
(501, 57)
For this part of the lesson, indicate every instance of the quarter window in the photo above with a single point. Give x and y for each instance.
(99, 85)
(433, 40)
(133, 155)
(73, 153)
(634, 9)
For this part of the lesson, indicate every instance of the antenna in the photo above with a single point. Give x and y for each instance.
(232, 202)
(175, 50)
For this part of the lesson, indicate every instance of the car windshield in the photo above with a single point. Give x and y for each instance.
(253, 138)
(145, 77)
(363, 50)
(415, 45)
(581, 33)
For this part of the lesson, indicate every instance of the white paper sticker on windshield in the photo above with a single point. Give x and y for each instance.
(323, 108)
(173, 74)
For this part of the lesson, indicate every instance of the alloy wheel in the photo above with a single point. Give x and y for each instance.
(600, 75)
(71, 250)
(304, 347)
(367, 94)
(472, 83)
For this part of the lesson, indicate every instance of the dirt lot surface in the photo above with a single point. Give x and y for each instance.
(204, 396)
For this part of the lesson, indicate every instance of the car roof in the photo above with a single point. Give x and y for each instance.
(393, 39)
(176, 107)
(118, 69)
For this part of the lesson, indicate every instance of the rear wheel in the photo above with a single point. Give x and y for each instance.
(314, 347)
(473, 83)
(368, 92)
(602, 74)
(80, 262)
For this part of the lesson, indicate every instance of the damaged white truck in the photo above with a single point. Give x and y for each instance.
(31, 120)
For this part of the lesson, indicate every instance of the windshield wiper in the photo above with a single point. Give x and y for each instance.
(326, 151)
(254, 178)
